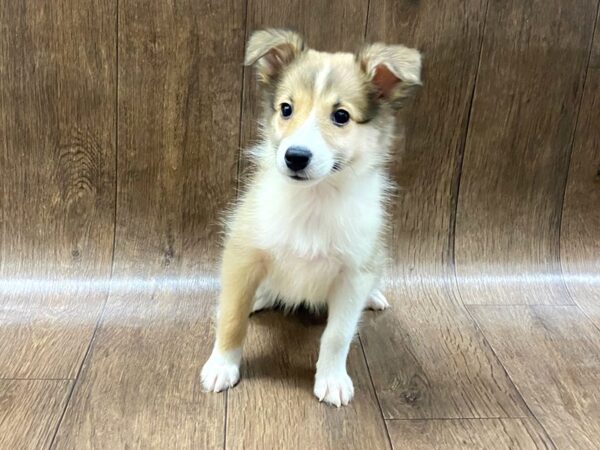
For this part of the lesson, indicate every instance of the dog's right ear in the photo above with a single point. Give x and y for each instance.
(394, 70)
(270, 51)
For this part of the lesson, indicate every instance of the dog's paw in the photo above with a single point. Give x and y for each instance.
(377, 301)
(221, 371)
(336, 390)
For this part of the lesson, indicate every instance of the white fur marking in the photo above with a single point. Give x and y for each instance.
(222, 370)
(332, 383)
(334, 389)
(308, 136)
(321, 79)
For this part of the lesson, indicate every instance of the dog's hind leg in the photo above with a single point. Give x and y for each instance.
(377, 301)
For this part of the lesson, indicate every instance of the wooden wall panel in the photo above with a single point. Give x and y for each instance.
(595, 55)
(515, 165)
(179, 107)
(413, 358)
(342, 29)
(580, 231)
(57, 173)
(127, 120)
(57, 138)
(429, 151)
(178, 117)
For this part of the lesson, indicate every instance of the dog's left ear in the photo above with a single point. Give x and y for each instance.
(394, 70)
(271, 51)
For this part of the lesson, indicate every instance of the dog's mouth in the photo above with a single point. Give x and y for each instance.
(298, 177)
(301, 176)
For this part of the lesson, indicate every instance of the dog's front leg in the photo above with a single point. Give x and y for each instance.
(242, 271)
(346, 302)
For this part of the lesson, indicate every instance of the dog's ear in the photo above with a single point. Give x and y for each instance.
(271, 51)
(394, 70)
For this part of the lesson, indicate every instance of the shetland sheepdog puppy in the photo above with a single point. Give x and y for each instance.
(311, 227)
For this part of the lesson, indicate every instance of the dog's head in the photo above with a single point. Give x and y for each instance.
(328, 112)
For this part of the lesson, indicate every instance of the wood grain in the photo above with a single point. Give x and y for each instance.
(30, 411)
(57, 138)
(277, 380)
(595, 55)
(140, 386)
(580, 231)
(46, 334)
(484, 434)
(179, 100)
(57, 169)
(551, 353)
(432, 129)
(344, 32)
(515, 163)
(429, 362)
(179, 106)
(126, 121)
(414, 349)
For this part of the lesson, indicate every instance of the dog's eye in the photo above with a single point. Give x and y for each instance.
(340, 117)
(286, 110)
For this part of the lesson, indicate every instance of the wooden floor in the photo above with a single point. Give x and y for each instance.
(121, 124)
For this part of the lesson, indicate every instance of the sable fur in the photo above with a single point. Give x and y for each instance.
(319, 241)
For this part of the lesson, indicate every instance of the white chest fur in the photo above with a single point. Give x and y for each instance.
(312, 233)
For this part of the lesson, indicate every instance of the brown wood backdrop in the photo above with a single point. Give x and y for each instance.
(121, 129)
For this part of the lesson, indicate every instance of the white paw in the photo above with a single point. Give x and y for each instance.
(221, 371)
(377, 301)
(336, 390)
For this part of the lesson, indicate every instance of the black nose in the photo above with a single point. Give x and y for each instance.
(297, 158)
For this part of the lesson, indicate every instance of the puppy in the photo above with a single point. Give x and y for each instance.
(311, 227)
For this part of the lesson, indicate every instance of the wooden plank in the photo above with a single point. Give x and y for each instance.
(429, 149)
(516, 157)
(57, 159)
(428, 361)
(484, 434)
(140, 386)
(46, 334)
(552, 355)
(57, 110)
(595, 56)
(425, 375)
(30, 411)
(277, 380)
(580, 230)
(179, 105)
(344, 32)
